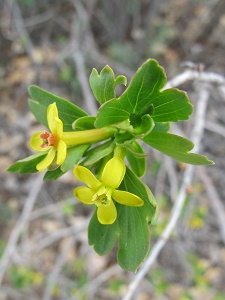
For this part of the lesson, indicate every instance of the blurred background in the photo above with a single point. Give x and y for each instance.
(43, 229)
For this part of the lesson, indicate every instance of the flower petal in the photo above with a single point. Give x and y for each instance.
(61, 152)
(59, 127)
(36, 142)
(47, 160)
(114, 172)
(84, 194)
(84, 175)
(127, 198)
(107, 214)
(52, 114)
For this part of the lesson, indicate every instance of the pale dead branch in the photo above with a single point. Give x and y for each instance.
(29, 203)
(196, 137)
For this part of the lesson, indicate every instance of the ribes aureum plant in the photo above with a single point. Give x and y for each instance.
(98, 148)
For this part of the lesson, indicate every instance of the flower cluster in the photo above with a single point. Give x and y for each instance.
(56, 141)
(102, 192)
(97, 146)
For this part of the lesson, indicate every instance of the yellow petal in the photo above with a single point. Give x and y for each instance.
(127, 198)
(84, 194)
(52, 114)
(107, 214)
(84, 175)
(59, 127)
(113, 172)
(36, 142)
(47, 160)
(61, 152)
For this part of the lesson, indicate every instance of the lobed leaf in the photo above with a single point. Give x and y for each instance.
(144, 90)
(103, 85)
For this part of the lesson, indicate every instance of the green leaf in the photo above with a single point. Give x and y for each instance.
(176, 147)
(84, 123)
(131, 226)
(124, 137)
(68, 112)
(102, 237)
(171, 105)
(144, 127)
(53, 174)
(144, 90)
(74, 154)
(97, 153)
(161, 127)
(103, 85)
(137, 162)
(133, 222)
(28, 164)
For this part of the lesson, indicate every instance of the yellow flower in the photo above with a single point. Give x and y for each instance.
(56, 141)
(102, 193)
(50, 141)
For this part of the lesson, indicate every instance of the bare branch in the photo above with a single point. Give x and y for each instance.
(52, 279)
(51, 209)
(190, 75)
(216, 202)
(214, 127)
(93, 285)
(177, 208)
(20, 224)
(54, 237)
(76, 42)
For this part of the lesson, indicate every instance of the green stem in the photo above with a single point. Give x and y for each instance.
(119, 151)
(88, 136)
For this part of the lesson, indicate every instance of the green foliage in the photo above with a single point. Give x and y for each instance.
(68, 208)
(198, 217)
(136, 158)
(23, 277)
(2, 247)
(68, 112)
(28, 164)
(143, 90)
(74, 154)
(67, 73)
(199, 268)
(122, 124)
(116, 284)
(159, 281)
(97, 153)
(84, 123)
(176, 147)
(123, 53)
(103, 85)
(131, 226)
(26, 2)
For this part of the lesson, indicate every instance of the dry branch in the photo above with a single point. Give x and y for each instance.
(197, 134)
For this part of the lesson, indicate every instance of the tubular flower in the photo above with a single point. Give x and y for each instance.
(102, 193)
(50, 141)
